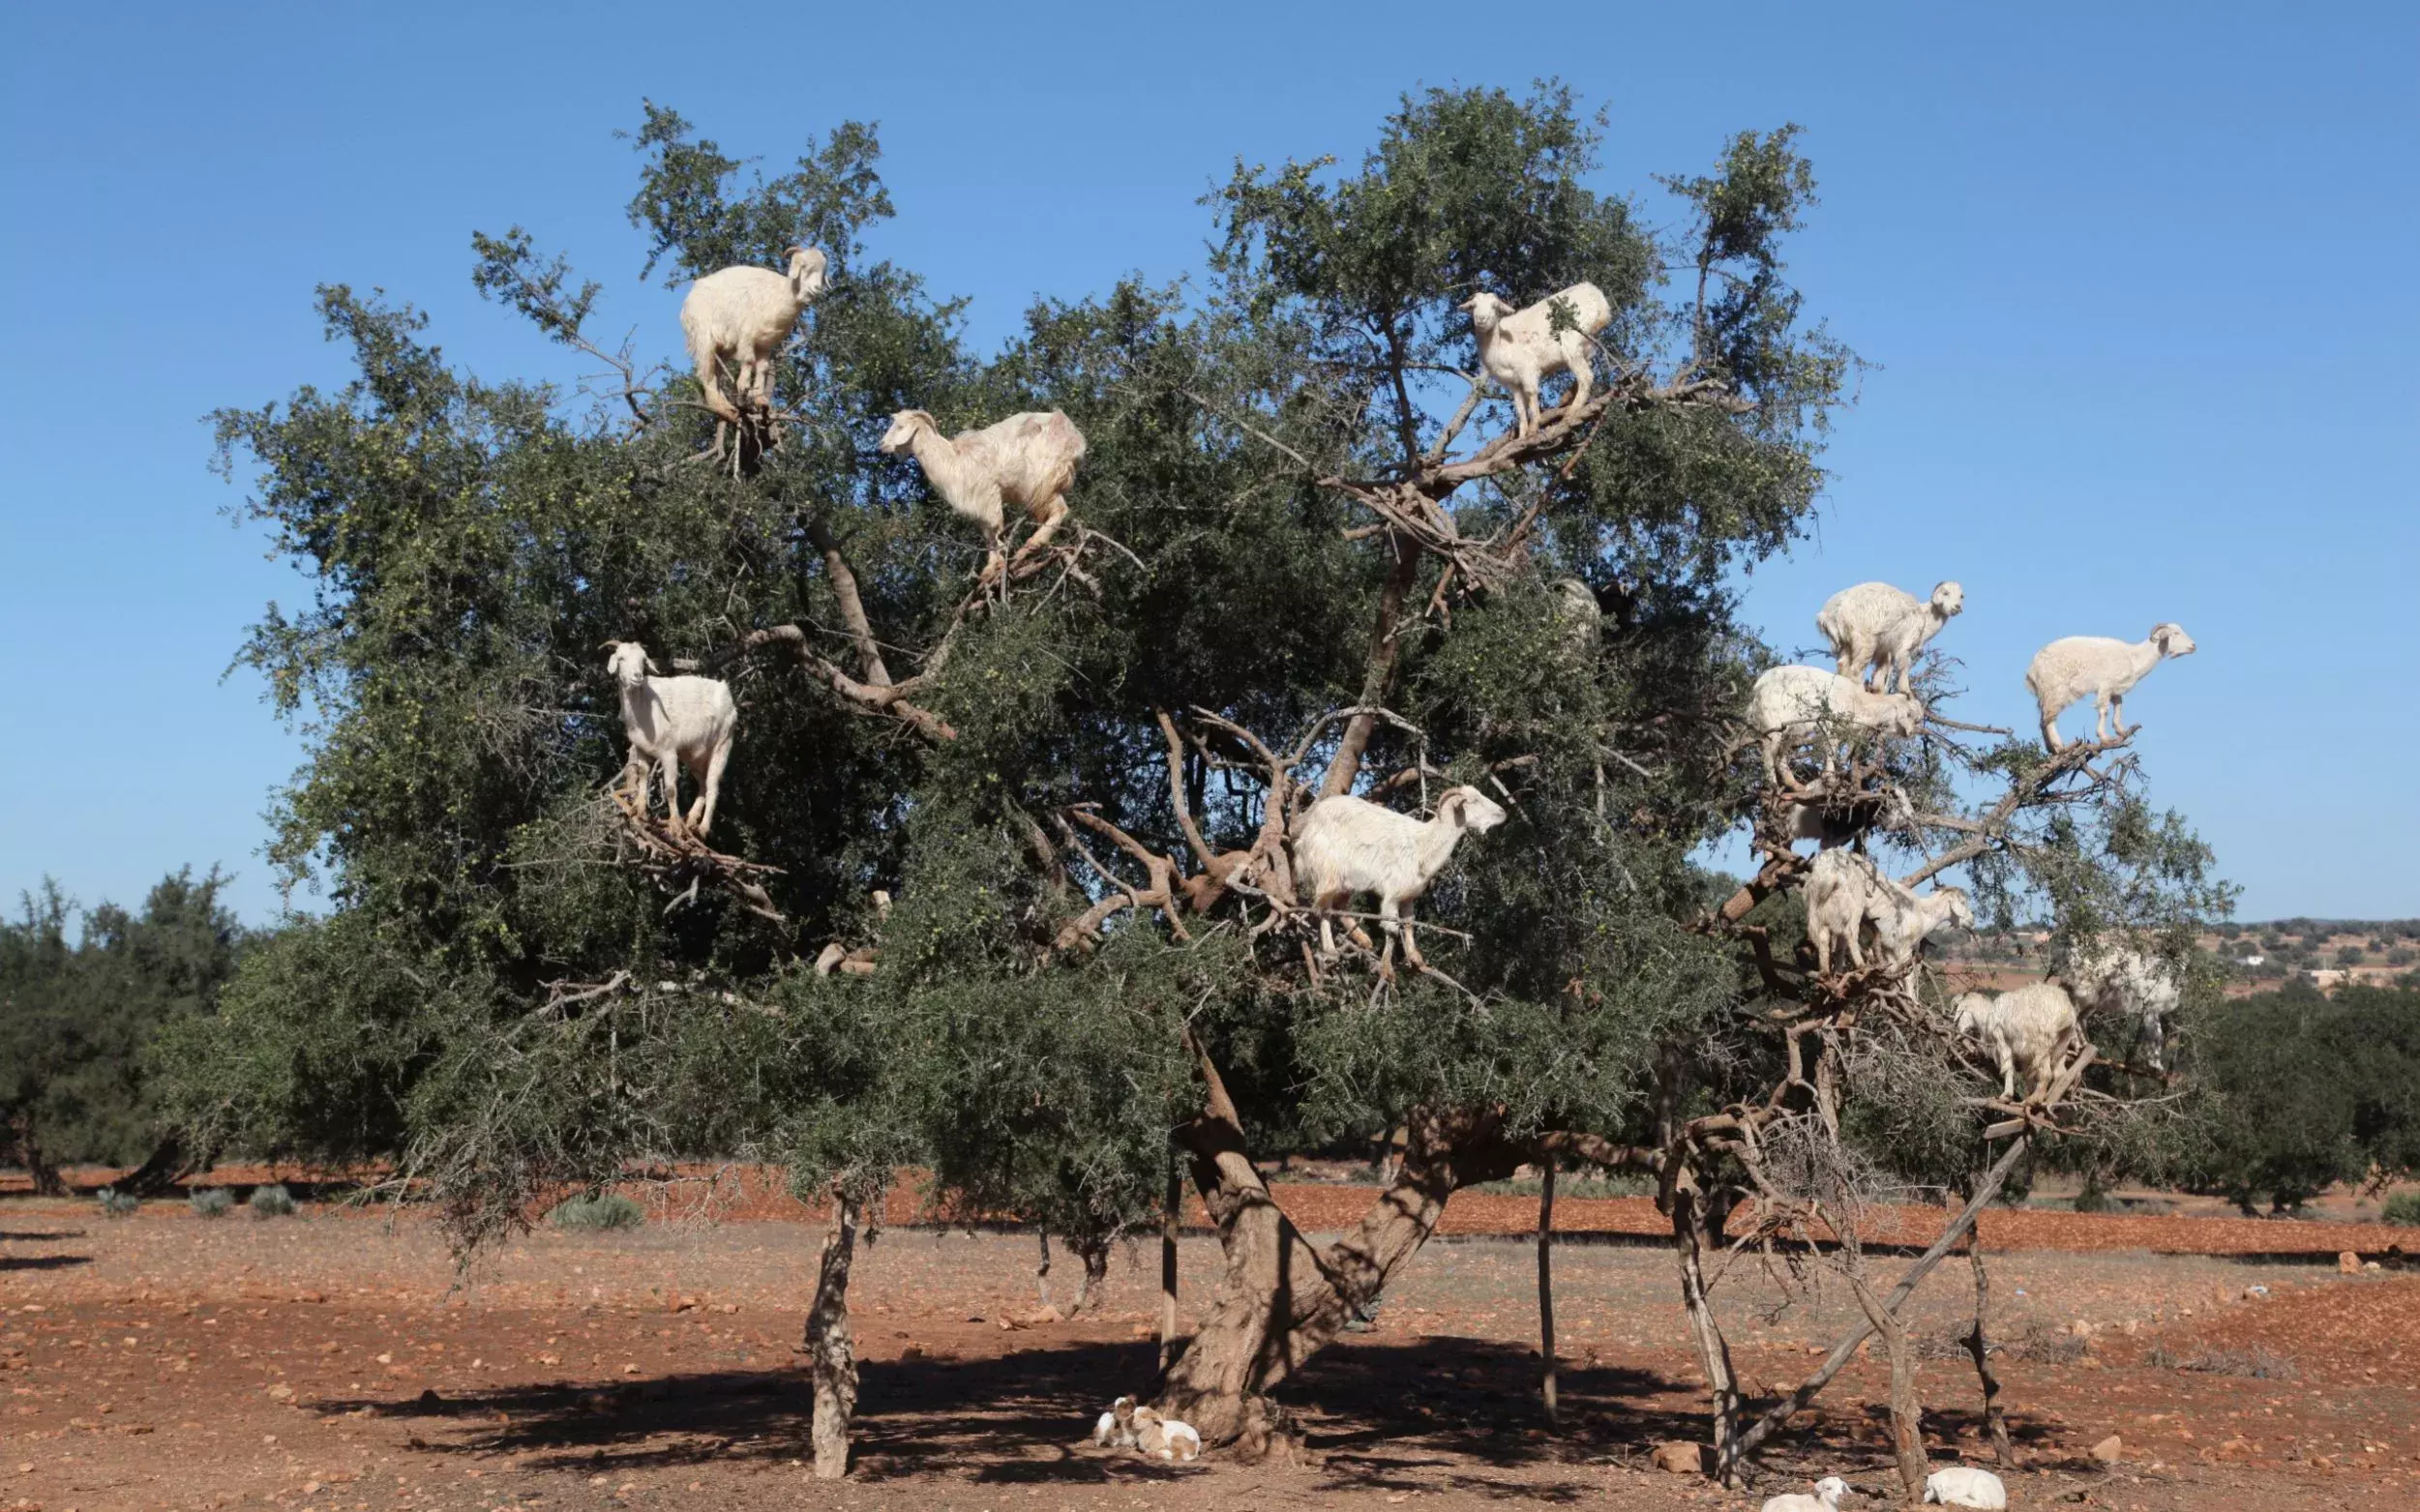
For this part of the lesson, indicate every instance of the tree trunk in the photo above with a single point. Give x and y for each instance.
(1279, 1299)
(168, 1165)
(1907, 1433)
(829, 1354)
(1714, 1351)
(1093, 1251)
(1546, 1290)
(47, 1182)
(1979, 1345)
(1170, 1219)
(1379, 669)
(1959, 1227)
(1042, 1271)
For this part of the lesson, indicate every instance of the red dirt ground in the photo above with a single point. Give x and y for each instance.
(332, 1361)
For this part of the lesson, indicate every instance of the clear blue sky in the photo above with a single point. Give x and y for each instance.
(2137, 278)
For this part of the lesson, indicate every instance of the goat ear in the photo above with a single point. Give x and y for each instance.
(652, 667)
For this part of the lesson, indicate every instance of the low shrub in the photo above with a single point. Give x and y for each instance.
(212, 1201)
(2252, 1364)
(600, 1210)
(2403, 1208)
(272, 1202)
(116, 1203)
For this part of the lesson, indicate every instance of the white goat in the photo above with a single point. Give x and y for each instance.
(672, 722)
(2102, 666)
(2122, 981)
(1792, 705)
(1114, 1428)
(1846, 891)
(1520, 349)
(1874, 627)
(1965, 1486)
(1157, 1437)
(2027, 1031)
(1827, 1498)
(1026, 459)
(1575, 609)
(739, 317)
(1346, 845)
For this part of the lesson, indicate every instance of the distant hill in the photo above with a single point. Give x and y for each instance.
(2375, 952)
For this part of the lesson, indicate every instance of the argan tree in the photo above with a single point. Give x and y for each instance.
(1306, 557)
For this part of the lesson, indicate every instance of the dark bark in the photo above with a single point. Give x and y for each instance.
(1378, 670)
(1094, 1251)
(1907, 1436)
(26, 1142)
(168, 1165)
(1985, 1189)
(1714, 1351)
(1280, 1299)
(1978, 1343)
(1547, 1291)
(1169, 1220)
(831, 1358)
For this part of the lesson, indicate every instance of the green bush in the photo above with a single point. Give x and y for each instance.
(272, 1202)
(601, 1211)
(116, 1203)
(2403, 1208)
(212, 1201)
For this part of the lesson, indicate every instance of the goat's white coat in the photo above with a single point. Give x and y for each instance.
(1846, 891)
(1876, 628)
(1115, 1430)
(739, 317)
(2101, 667)
(1157, 1437)
(1575, 607)
(2121, 981)
(1346, 845)
(1028, 460)
(1965, 1486)
(2027, 1031)
(1827, 1498)
(1520, 348)
(672, 722)
(1791, 706)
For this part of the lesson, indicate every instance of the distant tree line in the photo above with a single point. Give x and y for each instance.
(84, 997)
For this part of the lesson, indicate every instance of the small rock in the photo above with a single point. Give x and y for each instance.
(1679, 1458)
(2348, 1263)
(2110, 1450)
(281, 1392)
(2251, 1293)
(1141, 1331)
(2370, 1265)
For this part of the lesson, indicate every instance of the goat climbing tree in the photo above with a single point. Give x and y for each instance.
(1305, 556)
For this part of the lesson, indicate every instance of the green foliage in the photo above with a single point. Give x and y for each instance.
(2309, 1090)
(116, 1203)
(78, 1013)
(211, 1202)
(498, 1003)
(597, 1211)
(2403, 1208)
(272, 1201)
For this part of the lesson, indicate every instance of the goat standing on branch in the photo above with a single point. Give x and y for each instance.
(2102, 667)
(1026, 459)
(672, 722)
(1521, 349)
(737, 319)
(1347, 845)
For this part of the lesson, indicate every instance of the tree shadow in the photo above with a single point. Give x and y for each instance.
(1375, 1414)
(9, 1262)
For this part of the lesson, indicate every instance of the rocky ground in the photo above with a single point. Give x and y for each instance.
(337, 1360)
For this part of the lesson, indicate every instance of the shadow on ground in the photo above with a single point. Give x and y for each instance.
(1374, 1416)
